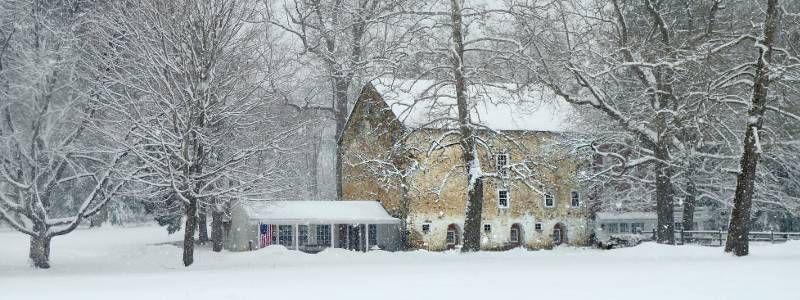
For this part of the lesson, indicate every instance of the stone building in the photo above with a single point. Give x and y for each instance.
(398, 147)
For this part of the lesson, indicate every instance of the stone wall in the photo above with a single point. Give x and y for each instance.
(437, 189)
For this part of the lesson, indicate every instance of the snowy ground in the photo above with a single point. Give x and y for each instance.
(126, 263)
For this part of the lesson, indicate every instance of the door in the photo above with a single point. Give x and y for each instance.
(453, 236)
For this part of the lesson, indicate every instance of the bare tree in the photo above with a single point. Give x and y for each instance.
(51, 151)
(671, 77)
(189, 82)
(347, 38)
(738, 234)
(647, 80)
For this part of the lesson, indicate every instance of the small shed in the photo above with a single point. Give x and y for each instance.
(312, 226)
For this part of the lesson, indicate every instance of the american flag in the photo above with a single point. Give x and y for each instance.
(265, 235)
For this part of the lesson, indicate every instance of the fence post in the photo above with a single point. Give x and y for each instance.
(720, 237)
(683, 241)
(772, 236)
(654, 233)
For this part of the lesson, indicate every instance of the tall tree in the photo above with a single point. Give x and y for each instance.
(649, 78)
(739, 230)
(187, 80)
(51, 150)
(347, 38)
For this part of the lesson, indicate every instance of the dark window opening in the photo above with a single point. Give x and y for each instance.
(373, 234)
(324, 235)
(285, 235)
(549, 200)
(576, 199)
(501, 162)
(502, 198)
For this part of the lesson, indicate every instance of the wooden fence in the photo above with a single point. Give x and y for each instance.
(718, 237)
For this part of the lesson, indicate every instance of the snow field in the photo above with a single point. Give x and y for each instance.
(135, 263)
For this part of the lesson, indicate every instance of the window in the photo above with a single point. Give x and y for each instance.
(373, 234)
(637, 227)
(549, 200)
(613, 228)
(426, 228)
(576, 199)
(324, 235)
(302, 235)
(502, 198)
(537, 226)
(452, 236)
(501, 162)
(514, 234)
(557, 239)
(367, 107)
(623, 227)
(285, 235)
(487, 227)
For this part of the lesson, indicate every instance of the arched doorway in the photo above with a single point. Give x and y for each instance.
(515, 236)
(453, 236)
(559, 234)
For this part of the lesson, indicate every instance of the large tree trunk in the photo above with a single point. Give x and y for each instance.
(738, 241)
(202, 225)
(341, 85)
(188, 237)
(40, 251)
(216, 230)
(474, 209)
(472, 222)
(665, 228)
(688, 205)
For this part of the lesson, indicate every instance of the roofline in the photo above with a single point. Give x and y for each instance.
(316, 221)
(370, 87)
(366, 87)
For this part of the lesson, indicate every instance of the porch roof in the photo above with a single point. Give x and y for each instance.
(318, 212)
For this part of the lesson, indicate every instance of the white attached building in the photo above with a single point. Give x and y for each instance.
(614, 223)
(312, 226)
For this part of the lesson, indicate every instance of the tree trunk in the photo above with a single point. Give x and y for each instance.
(665, 227)
(216, 230)
(341, 85)
(472, 222)
(688, 205)
(474, 209)
(202, 225)
(99, 218)
(405, 207)
(738, 241)
(40, 251)
(188, 237)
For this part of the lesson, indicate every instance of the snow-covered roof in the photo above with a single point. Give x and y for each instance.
(422, 103)
(635, 215)
(319, 212)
